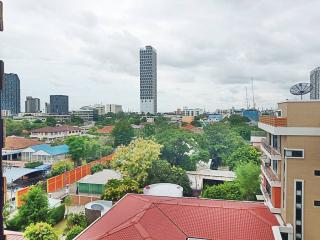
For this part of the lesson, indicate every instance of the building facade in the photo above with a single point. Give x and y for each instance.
(86, 113)
(315, 83)
(100, 108)
(148, 80)
(32, 105)
(291, 167)
(10, 94)
(192, 111)
(59, 104)
(51, 133)
(113, 108)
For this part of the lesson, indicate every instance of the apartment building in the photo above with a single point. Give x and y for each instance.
(113, 108)
(291, 168)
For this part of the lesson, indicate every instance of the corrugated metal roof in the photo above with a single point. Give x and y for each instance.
(14, 173)
(51, 150)
(101, 177)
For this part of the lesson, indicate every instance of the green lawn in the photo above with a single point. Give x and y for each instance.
(60, 227)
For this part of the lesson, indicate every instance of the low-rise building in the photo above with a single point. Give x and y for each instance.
(52, 133)
(87, 113)
(44, 153)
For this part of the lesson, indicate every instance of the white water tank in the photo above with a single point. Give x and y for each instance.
(164, 189)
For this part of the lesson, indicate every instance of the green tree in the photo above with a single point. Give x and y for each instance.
(222, 141)
(50, 121)
(40, 231)
(122, 133)
(115, 189)
(67, 202)
(248, 180)
(161, 171)
(134, 160)
(227, 190)
(75, 120)
(77, 148)
(243, 154)
(76, 219)
(60, 167)
(35, 208)
(177, 146)
(236, 120)
(148, 130)
(97, 168)
(74, 231)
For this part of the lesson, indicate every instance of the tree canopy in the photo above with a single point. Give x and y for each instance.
(242, 155)
(115, 189)
(123, 133)
(40, 231)
(134, 160)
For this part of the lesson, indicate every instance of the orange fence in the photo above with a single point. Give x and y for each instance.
(58, 182)
(19, 195)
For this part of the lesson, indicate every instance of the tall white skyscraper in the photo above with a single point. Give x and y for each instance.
(148, 80)
(315, 82)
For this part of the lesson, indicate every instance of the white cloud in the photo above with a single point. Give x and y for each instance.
(207, 50)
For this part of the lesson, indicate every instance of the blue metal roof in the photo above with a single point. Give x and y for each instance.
(14, 173)
(55, 150)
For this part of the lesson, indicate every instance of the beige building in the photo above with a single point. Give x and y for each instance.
(291, 168)
(113, 108)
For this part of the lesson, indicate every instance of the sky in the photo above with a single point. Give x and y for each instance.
(208, 51)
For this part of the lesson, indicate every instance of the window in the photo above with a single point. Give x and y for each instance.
(317, 172)
(275, 166)
(294, 153)
(317, 203)
(298, 209)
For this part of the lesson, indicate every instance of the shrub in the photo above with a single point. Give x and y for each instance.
(40, 231)
(97, 168)
(57, 214)
(76, 219)
(33, 164)
(227, 190)
(61, 167)
(74, 231)
(14, 224)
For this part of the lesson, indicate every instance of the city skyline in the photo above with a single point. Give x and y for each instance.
(207, 57)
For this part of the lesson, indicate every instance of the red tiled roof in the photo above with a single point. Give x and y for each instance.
(188, 127)
(64, 128)
(106, 129)
(15, 143)
(11, 235)
(139, 217)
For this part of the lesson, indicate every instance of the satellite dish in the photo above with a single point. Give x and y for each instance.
(300, 89)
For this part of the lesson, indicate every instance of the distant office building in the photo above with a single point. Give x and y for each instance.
(87, 113)
(148, 80)
(100, 108)
(10, 94)
(113, 108)
(59, 104)
(47, 107)
(192, 111)
(32, 105)
(315, 82)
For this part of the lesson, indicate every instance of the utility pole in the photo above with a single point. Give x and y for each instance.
(3, 191)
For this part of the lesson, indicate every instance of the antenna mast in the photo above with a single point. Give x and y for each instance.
(254, 104)
(247, 101)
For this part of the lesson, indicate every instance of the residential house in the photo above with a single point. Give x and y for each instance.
(52, 133)
(44, 153)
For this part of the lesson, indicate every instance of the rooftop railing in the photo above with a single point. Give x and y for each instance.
(273, 121)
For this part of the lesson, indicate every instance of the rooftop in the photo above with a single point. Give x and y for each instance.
(101, 177)
(15, 143)
(138, 217)
(63, 128)
(106, 129)
(51, 150)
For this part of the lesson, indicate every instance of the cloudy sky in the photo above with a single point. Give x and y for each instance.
(208, 50)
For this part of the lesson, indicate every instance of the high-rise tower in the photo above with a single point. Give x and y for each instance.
(10, 94)
(148, 80)
(315, 82)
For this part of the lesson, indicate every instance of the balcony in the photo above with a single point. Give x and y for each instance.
(270, 151)
(271, 177)
(273, 202)
(274, 121)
